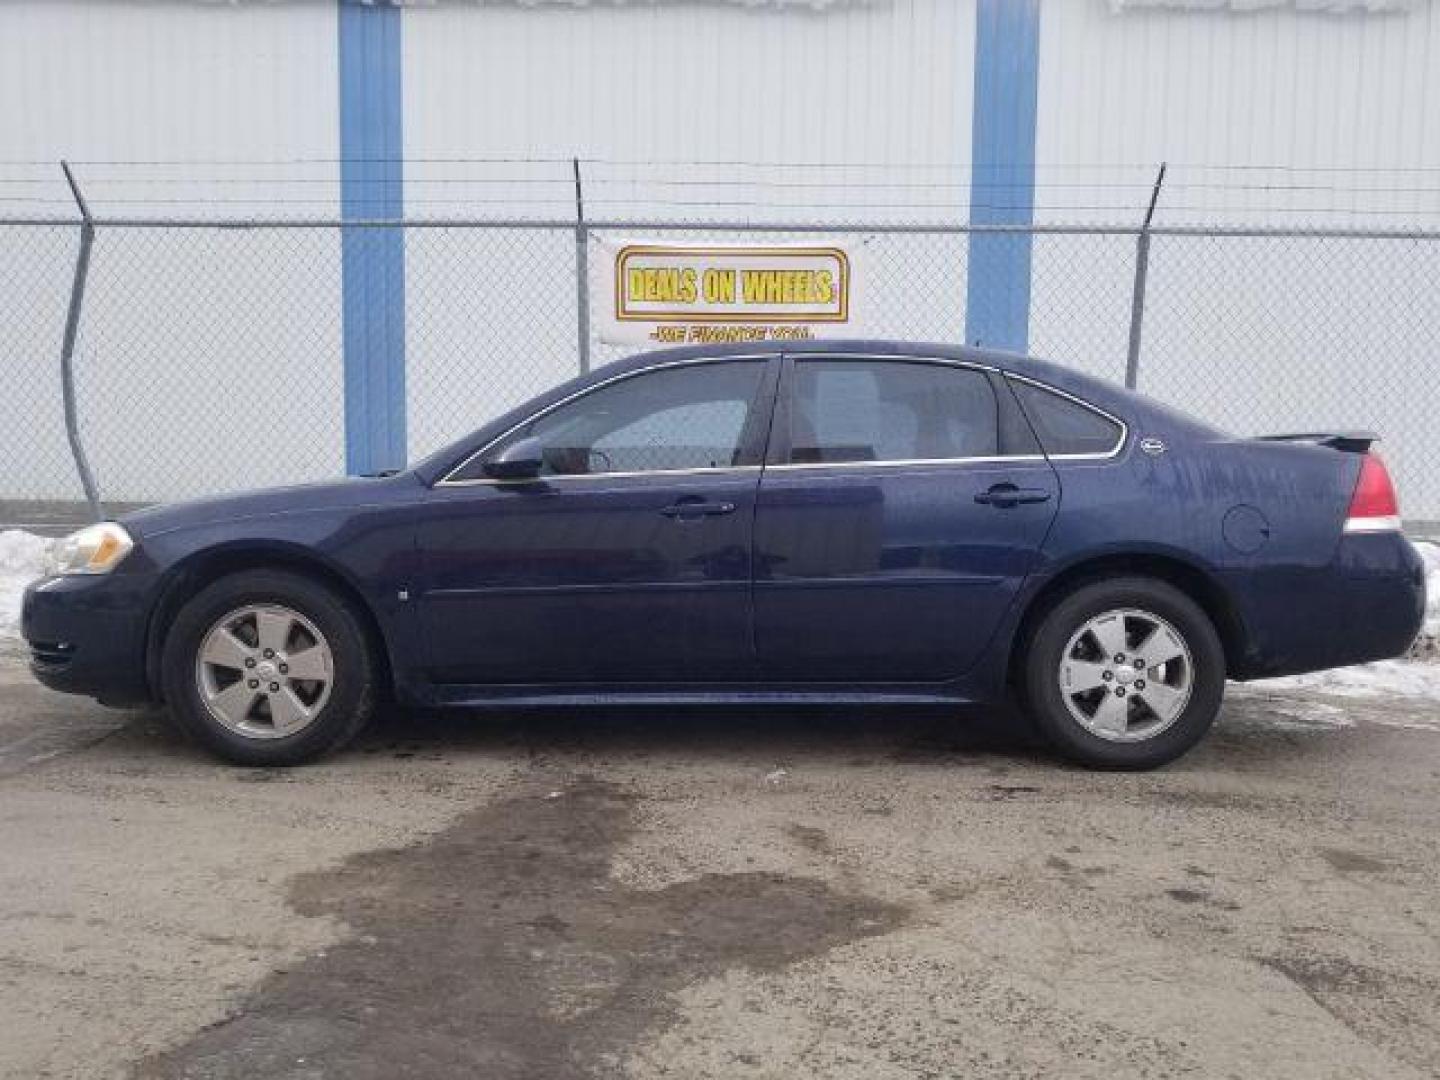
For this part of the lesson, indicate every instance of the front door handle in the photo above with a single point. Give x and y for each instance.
(690, 509)
(1005, 496)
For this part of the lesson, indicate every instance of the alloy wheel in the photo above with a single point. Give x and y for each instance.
(1126, 675)
(264, 671)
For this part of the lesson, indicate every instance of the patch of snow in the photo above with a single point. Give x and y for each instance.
(1430, 632)
(1301, 715)
(22, 560)
(1403, 678)
(1328, 6)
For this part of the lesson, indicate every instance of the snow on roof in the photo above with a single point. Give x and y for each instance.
(1337, 7)
(1329, 6)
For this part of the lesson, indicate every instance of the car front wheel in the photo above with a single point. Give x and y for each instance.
(268, 667)
(1124, 674)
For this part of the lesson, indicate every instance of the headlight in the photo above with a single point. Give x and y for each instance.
(96, 549)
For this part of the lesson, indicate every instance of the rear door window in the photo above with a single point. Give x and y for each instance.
(844, 411)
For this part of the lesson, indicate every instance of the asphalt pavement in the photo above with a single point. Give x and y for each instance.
(700, 893)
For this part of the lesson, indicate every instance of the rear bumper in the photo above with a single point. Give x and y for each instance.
(1369, 604)
(87, 635)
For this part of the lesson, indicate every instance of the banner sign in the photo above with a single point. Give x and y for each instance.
(657, 293)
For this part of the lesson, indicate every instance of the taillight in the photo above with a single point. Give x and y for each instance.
(1373, 507)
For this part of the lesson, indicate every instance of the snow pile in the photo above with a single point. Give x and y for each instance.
(1329, 6)
(22, 560)
(1427, 645)
(1402, 678)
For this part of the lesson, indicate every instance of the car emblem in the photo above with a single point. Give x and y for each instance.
(1153, 447)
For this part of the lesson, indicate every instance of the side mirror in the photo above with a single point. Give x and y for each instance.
(521, 460)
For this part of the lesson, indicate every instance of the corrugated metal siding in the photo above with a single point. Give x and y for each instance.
(1274, 119)
(1342, 105)
(708, 87)
(1307, 92)
(697, 82)
(206, 361)
(121, 82)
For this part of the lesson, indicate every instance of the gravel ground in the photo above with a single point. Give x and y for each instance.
(695, 894)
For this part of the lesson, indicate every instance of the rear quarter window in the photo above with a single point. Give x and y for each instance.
(1065, 426)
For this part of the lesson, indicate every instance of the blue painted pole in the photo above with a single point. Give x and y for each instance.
(372, 259)
(1002, 184)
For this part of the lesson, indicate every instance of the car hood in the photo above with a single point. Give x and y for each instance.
(266, 502)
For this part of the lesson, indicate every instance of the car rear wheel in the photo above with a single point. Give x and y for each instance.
(268, 667)
(1124, 674)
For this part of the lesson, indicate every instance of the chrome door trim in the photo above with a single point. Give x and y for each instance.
(895, 463)
(490, 481)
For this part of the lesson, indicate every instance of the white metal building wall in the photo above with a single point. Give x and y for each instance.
(889, 81)
(178, 328)
(692, 82)
(1300, 89)
(108, 81)
(719, 89)
(1333, 120)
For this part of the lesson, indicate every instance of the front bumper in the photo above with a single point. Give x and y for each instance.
(1367, 605)
(87, 635)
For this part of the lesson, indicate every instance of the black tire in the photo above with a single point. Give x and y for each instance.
(352, 691)
(1045, 701)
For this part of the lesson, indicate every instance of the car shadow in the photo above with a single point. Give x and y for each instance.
(1250, 736)
(847, 734)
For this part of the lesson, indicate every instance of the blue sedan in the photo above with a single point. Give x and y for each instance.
(830, 522)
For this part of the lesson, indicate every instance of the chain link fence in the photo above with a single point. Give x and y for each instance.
(209, 355)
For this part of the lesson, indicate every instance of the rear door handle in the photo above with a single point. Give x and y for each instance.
(1008, 495)
(697, 509)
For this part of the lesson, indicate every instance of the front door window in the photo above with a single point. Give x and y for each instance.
(676, 419)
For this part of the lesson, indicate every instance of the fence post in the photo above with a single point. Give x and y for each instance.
(67, 346)
(1142, 272)
(582, 272)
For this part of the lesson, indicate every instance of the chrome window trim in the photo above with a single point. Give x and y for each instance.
(744, 469)
(1121, 424)
(994, 459)
(490, 481)
(915, 358)
(447, 481)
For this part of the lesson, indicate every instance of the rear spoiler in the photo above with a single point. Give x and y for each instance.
(1349, 442)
